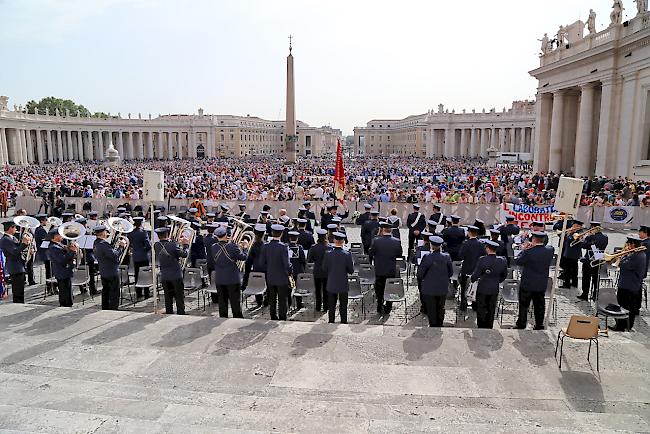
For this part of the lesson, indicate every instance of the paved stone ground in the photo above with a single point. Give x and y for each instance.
(83, 370)
(567, 303)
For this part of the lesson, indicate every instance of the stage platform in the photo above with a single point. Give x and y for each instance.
(80, 369)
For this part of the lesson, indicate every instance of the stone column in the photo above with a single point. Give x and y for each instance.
(191, 136)
(100, 146)
(80, 146)
(626, 151)
(160, 145)
(150, 145)
(120, 145)
(27, 137)
(90, 155)
(170, 146)
(129, 146)
(50, 146)
(140, 147)
(542, 135)
(473, 145)
(485, 144)
(450, 142)
(39, 146)
(606, 149)
(68, 145)
(557, 120)
(582, 161)
(59, 146)
(290, 121)
(464, 142)
(4, 154)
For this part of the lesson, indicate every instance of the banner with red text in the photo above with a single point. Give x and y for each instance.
(526, 214)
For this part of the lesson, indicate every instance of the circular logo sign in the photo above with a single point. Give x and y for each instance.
(618, 214)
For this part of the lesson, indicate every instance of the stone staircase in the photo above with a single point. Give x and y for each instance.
(86, 370)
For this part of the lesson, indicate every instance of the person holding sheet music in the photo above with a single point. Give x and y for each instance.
(489, 272)
(434, 272)
(62, 258)
(416, 222)
(598, 241)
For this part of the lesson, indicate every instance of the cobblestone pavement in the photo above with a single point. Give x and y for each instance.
(567, 304)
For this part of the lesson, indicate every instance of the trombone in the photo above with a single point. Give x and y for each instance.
(27, 227)
(578, 238)
(613, 257)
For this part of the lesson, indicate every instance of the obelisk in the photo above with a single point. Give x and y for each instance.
(290, 125)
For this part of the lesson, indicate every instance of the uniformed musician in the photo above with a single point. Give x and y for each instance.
(644, 236)
(40, 235)
(309, 214)
(415, 222)
(490, 271)
(495, 234)
(437, 218)
(470, 252)
(14, 263)
(316, 254)
(337, 265)
(88, 259)
(384, 251)
(422, 249)
(590, 276)
(192, 215)
(197, 250)
(92, 220)
(242, 215)
(140, 247)
(226, 277)
(480, 224)
(332, 211)
(209, 218)
(434, 272)
(109, 268)
(508, 231)
(275, 260)
(365, 216)
(632, 272)
(369, 230)
(62, 258)
(453, 236)
(253, 261)
(534, 262)
(570, 257)
(168, 254)
(306, 237)
(224, 217)
(298, 261)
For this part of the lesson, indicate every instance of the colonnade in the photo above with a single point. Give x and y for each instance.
(39, 146)
(473, 142)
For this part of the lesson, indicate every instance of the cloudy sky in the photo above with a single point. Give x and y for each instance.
(354, 60)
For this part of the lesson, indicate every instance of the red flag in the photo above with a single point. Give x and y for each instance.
(339, 173)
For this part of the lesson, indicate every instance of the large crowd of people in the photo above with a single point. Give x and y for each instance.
(368, 179)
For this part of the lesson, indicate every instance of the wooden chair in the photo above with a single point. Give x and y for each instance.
(580, 328)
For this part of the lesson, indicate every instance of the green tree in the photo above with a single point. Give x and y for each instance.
(52, 103)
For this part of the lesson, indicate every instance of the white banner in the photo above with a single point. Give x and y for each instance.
(619, 214)
(526, 214)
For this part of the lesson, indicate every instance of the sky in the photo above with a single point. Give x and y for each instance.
(355, 60)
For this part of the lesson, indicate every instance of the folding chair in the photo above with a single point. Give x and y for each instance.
(355, 292)
(309, 268)
(203, 265)
(509, 295)
(125, 280)
(193, 281)
(145, 279)
(357, 246)
(305, 286)
(547, 296)
(256, 285)
(580, 328)
(394, 293)
(81, 278)
(401, 265)
(366, 275)
(607, 305)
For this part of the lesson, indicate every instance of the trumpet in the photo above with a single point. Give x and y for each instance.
(613, 257)
(27, 227)
(578, 238)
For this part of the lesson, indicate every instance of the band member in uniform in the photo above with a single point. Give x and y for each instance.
(495, 234)
(365, 216)
(92, 220)
(420, 252)
(253, 261)
(224, 217)
(630, 280)
(394, 220)
(40, 235)
(434, 272)
(534, 262)
(168, 254)
(508, 231)
(62, 258)
(589, 273)
(209, 218)
(226, 276)
(480, 224)
(316, 255)
(438, 218)
(384, 251)
(197, 250)
(88, 259)
(242, 215)
(490, 271)
(415, 222)
(453, 236)
(208, 241)
(306, 238)
(275, 260)
(108, 261)
(570, 257)
(644, 236)
(309, 214)
(538, 227)
(369, 230)
(470, 252)
(14, 263)
(192, 215)
(140, 247)
(332, 211)
(337, 265)
(298, 261)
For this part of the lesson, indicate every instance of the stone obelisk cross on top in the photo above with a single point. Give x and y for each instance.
(291, 138)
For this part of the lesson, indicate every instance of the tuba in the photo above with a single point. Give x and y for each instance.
(72, 231)
(118, 227)
(242, 235)
(27, 227)
(181, 229)
(54, 222)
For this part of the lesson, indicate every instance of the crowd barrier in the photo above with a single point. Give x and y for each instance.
(489, 213)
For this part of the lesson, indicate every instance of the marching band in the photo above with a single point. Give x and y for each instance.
(233, 245)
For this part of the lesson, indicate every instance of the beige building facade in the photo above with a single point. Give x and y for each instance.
(444, 133)
(47, 138)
